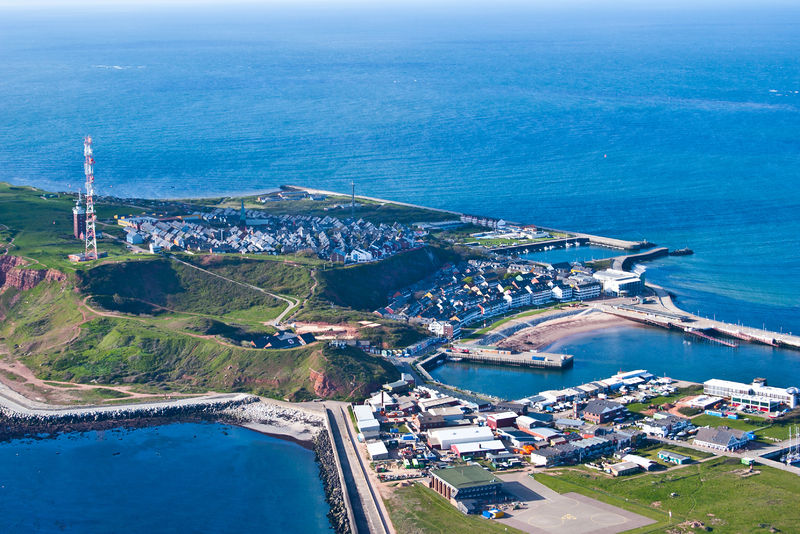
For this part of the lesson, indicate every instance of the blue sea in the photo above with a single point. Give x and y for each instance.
(179, 478)
(671, 121)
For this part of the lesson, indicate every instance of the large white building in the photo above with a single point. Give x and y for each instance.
(446, 437)
(757, 395)
(618, 283)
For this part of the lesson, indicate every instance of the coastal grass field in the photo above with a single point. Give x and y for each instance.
(53, 332)
(416, 509)
(651, 451)
(151, 321)
(639, 407)
(38, 226)
(766, 430)
(718, 492)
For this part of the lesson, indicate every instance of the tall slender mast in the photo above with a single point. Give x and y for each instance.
(88, 169)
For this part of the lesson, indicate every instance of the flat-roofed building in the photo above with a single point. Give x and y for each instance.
(516, 438)
(377, 451)
(467, 482)
(641, 461)
(501, 420)
(437, 402)
(478, 448)
(673, 457)
(542, 432)
(619, 283)
(363, 412)
(623, 468)
(444, 438)
(449, 413)
(756, 395)
(370, 428)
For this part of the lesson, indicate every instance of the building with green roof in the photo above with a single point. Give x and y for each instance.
(466, 482)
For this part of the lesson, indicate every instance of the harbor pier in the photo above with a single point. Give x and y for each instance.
(500, 356)
(664, 313)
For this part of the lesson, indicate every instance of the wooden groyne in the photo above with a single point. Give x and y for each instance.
(702, 335)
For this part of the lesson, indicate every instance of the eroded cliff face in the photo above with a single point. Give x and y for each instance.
(12, 274)
(322, 385)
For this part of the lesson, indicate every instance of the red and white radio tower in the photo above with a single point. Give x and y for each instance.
(88, 168)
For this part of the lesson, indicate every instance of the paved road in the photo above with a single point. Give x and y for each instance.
(368, 509)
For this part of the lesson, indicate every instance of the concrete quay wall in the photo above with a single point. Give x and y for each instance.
(625, 263)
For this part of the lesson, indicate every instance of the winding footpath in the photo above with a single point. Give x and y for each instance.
(292, 303)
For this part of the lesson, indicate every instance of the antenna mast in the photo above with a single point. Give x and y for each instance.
(88, 169)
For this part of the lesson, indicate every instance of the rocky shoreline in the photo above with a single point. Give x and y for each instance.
(25, 423)
(329, 474)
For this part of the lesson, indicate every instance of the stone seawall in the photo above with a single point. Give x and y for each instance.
(19, 423)
(329, 473)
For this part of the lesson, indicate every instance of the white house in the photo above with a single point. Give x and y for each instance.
(358, 255)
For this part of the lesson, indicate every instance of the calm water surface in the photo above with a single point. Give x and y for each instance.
(676, 122)
(603, 353)
(187, 478)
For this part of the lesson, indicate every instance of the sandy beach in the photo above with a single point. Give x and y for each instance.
(297, 423)
(545, 334)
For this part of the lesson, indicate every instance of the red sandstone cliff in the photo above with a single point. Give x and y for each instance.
(13, 275)
(322, 385)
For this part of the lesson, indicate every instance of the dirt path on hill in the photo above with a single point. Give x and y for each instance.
(290, 301)
(313, 274)
(122, 316)
(18, 377)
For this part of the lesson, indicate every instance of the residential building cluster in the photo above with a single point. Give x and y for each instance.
(228, 230)
(472, 291)
(451, 438)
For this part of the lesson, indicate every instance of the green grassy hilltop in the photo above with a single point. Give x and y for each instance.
(182, 322)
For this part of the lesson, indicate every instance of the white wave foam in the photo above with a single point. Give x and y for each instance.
(116, 67)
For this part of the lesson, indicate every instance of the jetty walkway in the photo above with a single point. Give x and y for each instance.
(664, 313)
